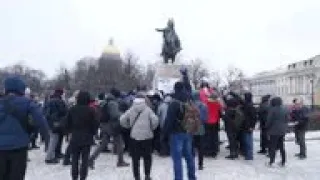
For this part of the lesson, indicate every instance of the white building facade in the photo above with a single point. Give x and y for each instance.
(297, 80)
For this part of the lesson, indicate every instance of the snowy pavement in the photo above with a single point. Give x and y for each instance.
(215, 169)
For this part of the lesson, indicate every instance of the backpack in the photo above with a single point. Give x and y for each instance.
(239, 118)
(190, 121)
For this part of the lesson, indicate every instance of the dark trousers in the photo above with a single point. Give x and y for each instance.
(141, 149)
(33, 138)
(67, 156)
(156, 140)
(198, 144)
(233, 142)
(212, 141)
(164, 146)
(277, 142)
(58, 150)
(263, 140)
(247, 140)
(13, 164)
(78, 152)
(301, 140)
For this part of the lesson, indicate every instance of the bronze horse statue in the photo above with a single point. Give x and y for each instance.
(171, 43)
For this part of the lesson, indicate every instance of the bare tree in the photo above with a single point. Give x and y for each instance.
(234, 78)
(215, 79)
(198, 72)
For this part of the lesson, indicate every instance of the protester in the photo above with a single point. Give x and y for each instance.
(212, 125)
(199, 137)
(300, 117)
(276, 125)
(56, 112)
(263, 114)
(233, 119)
(14, 129)
(142, 121)
(82, 123)
(162, 114)
(180, 139)
(110, 126)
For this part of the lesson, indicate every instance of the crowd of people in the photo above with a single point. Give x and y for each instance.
(181, 124)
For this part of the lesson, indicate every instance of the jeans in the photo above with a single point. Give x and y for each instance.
(277, 142)
(181, 146)
(80, 152)
(53, 142)
(301, 141)
(13, 164)
(247, 140)
(141, 149)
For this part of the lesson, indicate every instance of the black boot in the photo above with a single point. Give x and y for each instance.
(263, 151)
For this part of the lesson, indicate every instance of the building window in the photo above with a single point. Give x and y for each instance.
(311, 62)
(306, 63)
(293, 66)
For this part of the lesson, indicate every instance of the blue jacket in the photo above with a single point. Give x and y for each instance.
(12, 134)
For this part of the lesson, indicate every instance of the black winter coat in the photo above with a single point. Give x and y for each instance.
(82, 123)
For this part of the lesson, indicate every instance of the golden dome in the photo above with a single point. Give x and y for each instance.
(111, 49)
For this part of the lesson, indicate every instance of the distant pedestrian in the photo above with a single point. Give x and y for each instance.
(276, 125)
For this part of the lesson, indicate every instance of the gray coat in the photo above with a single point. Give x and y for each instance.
(162, 111)
(142, 127)
(277, 121)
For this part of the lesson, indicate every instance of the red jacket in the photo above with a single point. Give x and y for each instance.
(214, 111)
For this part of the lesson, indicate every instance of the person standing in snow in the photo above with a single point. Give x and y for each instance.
(14, 129)
(263, 114)
(82, 123)
(199, 136)
(180, 139)
(162, 114)
(55, 113)
(142, 121)
(300, 117)
(276, 125)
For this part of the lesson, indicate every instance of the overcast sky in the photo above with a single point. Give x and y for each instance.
(254, 35)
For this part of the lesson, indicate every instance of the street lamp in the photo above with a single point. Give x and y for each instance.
(312, 77)
(312, 93)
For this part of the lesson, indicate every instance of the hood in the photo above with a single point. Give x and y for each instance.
(115, 92)
(139, 104)
(247, 97)
(276, 101)
(179, 92)
(14, 85)
(265, 98)
(83, 98)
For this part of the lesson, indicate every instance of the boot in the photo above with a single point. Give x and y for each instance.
(91, 164)
(148, 178)
(302, 156)
(263, 151)
(52, 161)
(122, 164)
(232, 157)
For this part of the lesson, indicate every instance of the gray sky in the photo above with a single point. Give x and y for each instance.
(254, 35)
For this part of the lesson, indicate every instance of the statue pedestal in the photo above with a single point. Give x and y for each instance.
(166, 75)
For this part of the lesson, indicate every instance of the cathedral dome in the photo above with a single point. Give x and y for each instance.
(111, 51)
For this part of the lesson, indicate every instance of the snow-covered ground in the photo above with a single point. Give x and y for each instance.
(215, 169)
